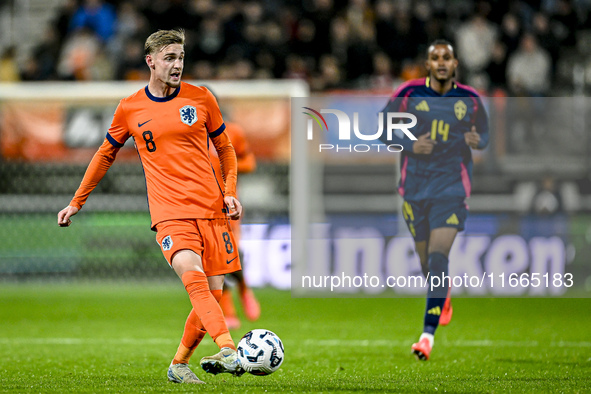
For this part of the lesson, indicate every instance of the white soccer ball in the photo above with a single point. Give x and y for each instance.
(260, 352)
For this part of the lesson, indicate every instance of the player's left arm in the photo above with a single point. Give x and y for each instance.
(477, 137)
(229, 167)
(226, 154)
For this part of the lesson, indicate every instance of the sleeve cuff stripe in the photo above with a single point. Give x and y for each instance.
(219, 131)
(113, 141)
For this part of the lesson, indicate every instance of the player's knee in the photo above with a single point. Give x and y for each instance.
(186, 260)
(440, 247)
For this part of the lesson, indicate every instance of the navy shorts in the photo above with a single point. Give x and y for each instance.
(425, 215)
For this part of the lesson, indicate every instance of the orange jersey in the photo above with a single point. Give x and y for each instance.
(171, 135)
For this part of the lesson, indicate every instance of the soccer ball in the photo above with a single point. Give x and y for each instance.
(260, 352)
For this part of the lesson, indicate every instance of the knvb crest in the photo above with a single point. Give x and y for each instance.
(460, 109)
(167, 243)
(188, 115)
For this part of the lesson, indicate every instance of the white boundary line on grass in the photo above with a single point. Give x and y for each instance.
(87, 341)
(307, 342)
(458, 343)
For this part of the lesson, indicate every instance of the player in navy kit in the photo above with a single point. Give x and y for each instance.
(436, 171)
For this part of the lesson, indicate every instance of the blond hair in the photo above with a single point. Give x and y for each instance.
(163, 38)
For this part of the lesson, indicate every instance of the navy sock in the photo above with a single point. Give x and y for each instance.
(438, 267)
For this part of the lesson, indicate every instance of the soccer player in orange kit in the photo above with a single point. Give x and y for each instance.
(172, 123)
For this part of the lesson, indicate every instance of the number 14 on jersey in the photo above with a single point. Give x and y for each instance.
(439, 127)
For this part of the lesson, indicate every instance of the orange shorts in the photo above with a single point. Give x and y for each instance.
(212, 239)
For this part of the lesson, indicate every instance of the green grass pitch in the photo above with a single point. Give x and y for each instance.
(120, 337)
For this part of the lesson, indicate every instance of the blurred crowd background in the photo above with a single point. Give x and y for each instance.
(514, 47)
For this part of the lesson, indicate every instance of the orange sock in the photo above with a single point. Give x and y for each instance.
(192, 336)
(217, 294)
(207, 308)
(225, 339)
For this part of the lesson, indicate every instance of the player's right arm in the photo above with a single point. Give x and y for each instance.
(423, 145)
(98, 167)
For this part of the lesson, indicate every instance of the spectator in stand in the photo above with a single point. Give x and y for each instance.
(130, 25)
(359, 13)
(329, 77)
(351, 31)
(130, 22)
(547, 200)
(528, 75)
(381, 78)
(96, 15)
(78, 54)
(528, 68)
(42, 64)
(296, 68)
(102, 68)
(9, 71)
(243, 69)
(203, 70)
(475, 40)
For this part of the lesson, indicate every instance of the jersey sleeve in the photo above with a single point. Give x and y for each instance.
(214, 123)
(216, 130)
(481, 124)
(98, 167)
(228, 163)
(119, 131)
(103, 159)
(396, 104)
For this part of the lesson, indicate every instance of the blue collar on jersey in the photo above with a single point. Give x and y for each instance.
(162, 99)
(428, 84)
